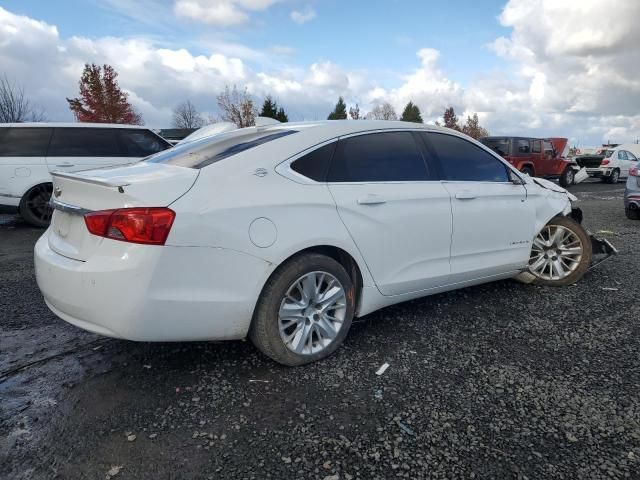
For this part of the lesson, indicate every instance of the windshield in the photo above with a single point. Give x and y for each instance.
(498, 145)
(200, 153)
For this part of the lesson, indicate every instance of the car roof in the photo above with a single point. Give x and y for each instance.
(71, 125)
(334, 128)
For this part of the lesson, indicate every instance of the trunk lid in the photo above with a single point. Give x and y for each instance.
(589, 161)
(140, 185)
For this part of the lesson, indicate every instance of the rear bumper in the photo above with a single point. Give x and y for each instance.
(150, 293)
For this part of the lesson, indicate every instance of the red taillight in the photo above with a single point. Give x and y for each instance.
(633, 171)
(605, 162)
(150, 226)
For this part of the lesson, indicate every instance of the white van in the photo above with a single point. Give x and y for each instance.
(30, 151)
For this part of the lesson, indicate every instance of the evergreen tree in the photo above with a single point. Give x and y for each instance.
(340, 112)
(269, 108)
(281, 116)
(411, 113)
(450, 119)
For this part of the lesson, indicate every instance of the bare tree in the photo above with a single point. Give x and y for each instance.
(185, 115)
(237, 107)
(382, 112)
(354, 112)
(15, 106)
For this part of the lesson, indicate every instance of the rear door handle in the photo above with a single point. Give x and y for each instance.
(465, 195)
(371, 199)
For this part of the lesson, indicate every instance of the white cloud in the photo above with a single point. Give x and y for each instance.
(303, 16)
(222, 13)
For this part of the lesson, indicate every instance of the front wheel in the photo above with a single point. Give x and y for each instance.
(567, 177)
(304, 311)
(561, 253)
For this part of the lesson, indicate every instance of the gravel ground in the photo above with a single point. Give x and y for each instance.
(498, 381)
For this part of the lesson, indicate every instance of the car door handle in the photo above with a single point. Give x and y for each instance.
(371, 199)
(66, 165)
(465, 195)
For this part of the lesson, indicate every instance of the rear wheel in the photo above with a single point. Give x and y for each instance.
(34, 206)
(561, 253)
(305, 310)
(567, 177)
(614, 177)
(528, 170)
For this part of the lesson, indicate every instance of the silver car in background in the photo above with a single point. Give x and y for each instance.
(632, 193)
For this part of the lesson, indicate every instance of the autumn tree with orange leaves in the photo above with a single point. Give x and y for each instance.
(101, 99)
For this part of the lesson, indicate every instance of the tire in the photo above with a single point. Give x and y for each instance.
(632, 214)
(34, 205)
(276, 336)
(614, 177)
(567, 177)
(527, 170)
(574, 263)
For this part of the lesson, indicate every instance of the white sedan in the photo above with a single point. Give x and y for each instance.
(285, 233)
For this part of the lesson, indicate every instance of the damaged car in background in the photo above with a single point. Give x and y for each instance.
(285, 233)
(538, 157)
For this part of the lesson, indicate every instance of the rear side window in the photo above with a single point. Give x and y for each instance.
(461, 160)
(622, 155)
(205, 151)
(24, 142)
(84, 142)
(315, 164)
(378, 157)
(140, 143)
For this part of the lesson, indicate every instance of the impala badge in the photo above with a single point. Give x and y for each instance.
(57, 192)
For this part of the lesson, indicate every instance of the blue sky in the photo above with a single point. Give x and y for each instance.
(525, 66)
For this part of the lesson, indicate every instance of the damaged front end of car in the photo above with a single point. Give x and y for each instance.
(601, 248)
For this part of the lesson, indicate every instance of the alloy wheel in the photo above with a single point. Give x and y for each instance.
(556, 253)
(38, 202)
(312, 313)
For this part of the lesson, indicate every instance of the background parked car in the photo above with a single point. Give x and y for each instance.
(30, 151)
(537, 157)
(610, 164)
(632, 193)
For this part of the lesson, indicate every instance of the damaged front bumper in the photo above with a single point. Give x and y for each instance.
(601, 248)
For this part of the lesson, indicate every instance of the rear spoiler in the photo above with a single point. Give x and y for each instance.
(94, 180)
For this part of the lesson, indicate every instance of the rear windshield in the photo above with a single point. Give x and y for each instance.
(499, 145)
(607, 153)
(205, 151)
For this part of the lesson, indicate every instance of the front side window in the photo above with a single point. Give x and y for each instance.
(548, 148)
(536, 146)
(631, 156)
(140, 143)
(315, 164)
(24, 142)
(378, 157)
(523, 145)
(461, 160)
(84, 142)
(205, 151)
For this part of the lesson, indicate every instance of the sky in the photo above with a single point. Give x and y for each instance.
(567, 68)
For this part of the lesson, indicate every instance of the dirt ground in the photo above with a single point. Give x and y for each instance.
(502, 380)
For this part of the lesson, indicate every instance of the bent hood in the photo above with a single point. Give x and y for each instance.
(553, 187)
(559, 144)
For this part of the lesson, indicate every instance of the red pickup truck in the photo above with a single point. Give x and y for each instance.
(538, 157)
